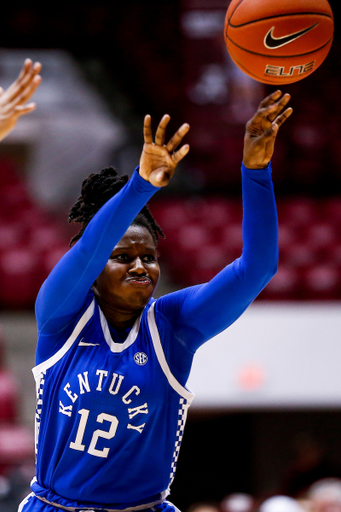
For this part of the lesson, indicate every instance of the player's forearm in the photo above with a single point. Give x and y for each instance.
(260, 227)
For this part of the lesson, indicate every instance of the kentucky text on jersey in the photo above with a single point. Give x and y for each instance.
(113, 386)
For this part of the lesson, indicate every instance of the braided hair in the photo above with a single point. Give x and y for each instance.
(97, 189)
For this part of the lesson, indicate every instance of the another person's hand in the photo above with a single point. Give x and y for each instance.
(159, 160)
(13, 101)
(262, 129)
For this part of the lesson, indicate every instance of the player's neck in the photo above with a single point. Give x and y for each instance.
(118, 318)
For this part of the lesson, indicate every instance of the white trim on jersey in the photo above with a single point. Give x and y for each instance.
(181, 390)
(119, 347)
(25, 501)
(45, 365)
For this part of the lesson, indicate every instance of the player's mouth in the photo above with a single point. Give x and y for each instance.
(139, 281)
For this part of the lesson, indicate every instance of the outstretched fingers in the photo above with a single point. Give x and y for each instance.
(180, 154)
(22, 110)
(27, 80)
(158, 160)
(177, 137)
(160, 133)
(24, 74)
(262, 129)
(17, 103)
(270, 99)
(25, 69)
(270, 107)
(147, 130)
(29, 71)
(29, 89)
(283, 117)
(277, 107)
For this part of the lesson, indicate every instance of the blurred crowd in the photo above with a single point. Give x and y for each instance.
(310, 482)
(324, 495)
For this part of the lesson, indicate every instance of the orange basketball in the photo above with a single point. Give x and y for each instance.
(279, 41)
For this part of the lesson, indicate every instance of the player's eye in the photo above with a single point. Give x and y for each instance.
(149, 258)
(120, 257)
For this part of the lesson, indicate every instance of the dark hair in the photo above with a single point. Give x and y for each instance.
(97, 189)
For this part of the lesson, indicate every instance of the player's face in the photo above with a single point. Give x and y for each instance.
(132, 272)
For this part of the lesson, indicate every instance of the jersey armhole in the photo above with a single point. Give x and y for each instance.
(185, 392)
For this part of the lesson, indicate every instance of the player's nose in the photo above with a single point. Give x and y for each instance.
(137, 266)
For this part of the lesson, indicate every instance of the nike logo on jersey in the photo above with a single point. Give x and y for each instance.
(272, 42)
(85, 344)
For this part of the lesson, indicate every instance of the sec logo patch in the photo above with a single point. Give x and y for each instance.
(140, 358)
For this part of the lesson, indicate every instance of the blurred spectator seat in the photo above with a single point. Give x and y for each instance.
(31, 241)
(322, 281)
(2, 345)
(18, 278)
(8, 396)
(205, 234)
(16, 446)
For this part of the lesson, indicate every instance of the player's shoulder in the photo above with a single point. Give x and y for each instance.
(169, 306)
(49, 343)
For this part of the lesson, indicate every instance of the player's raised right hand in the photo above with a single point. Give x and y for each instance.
(159, 160)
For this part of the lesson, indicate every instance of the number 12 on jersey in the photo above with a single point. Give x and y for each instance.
(78, 445)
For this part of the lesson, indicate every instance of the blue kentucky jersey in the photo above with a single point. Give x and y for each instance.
(110, 417)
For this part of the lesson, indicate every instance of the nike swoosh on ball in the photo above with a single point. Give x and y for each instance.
(275, 42)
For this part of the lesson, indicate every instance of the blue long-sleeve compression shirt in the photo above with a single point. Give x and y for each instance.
(196, 313)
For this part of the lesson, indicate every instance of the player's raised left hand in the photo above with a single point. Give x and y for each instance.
(262, 129)
(158, 159)
(13, 101)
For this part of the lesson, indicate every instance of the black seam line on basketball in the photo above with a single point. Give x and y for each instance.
(241, 1)
(280, 16)
(279, 56)
(273, 42)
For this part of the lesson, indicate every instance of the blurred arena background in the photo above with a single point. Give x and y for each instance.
(266, 418)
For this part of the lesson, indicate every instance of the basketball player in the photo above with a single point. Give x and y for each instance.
(112, 363)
